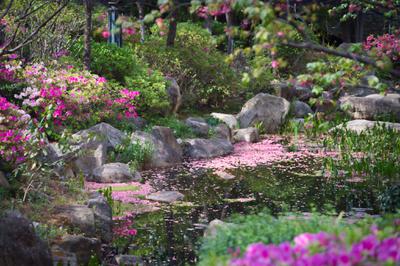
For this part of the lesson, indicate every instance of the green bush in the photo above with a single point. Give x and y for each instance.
(132, 153)
(199, 68)
(123, 66)
(268, 229)
(179, 128)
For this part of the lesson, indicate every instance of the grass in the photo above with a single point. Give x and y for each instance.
(125, 188)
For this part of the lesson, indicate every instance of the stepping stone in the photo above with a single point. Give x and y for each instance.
(224, 175)
(165, 196)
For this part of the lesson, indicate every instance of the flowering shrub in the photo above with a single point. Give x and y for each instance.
(323, 249)
(123, 232)
(384, 45)
(13, 132)
(69, 98)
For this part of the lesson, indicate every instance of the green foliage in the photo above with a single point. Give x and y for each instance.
(135, 154)
(267, 229)
(263, 228)
(107, 193)
(373, 156)
(153, 98)
(49, 232)
(179, 128)
(194, 62)
(122, 66)
(111, 61)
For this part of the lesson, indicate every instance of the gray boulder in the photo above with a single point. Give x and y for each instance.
(102, 216)
(88, 158)
(372, 106)
(249, 134)
(82, 247)
(76, 216)
(128, 260)
(175, 95)
(291, 92)
(114, 173)
(228, 119)
(206, 148)
(301, 109)
(222, 131)
(165, 149)
(361, 125)
(19, 244)
(198, 125)
(266, 108)
(103, 133)
(165, 196)
(214, 226)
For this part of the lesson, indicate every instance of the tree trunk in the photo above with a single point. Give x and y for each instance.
(172, 25)
(230, 45)
(139, 4)
(87, 34)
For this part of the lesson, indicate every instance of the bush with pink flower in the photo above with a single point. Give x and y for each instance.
(324, 249)
(60, 98)
(386, 45)
(13, 132)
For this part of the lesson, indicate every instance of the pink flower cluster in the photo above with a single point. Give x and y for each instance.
(13, 132)
(8, 69)
(384, 45)
(65, 96)
(123, 227)
(222, 9)
(323, 249)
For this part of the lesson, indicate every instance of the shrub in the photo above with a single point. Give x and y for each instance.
(194, 62)
(179, 128)
(123, 66)
(264, 228)
(132, 153)
(325, 249)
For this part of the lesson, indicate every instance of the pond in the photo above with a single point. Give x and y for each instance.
(170, 235)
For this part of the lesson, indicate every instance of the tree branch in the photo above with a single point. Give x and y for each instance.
(352, 56)
(7, 9)
(29, 39)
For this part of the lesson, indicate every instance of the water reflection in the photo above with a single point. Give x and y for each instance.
(171, 235)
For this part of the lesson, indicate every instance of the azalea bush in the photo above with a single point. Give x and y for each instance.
(325, 249)
(384, 46)
(294, 239)
(261, 227)
(13, 132)
(61, 98)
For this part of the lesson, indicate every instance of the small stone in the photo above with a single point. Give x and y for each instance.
(212, 228)
(198, 125)
(301, 109)
(206, 148)
(361, 125)
(82, 247)
(228, 119)
(224, 175)
(128, 260)
(222, 131)
(114, 173)
(165, 196)
(246, 134)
